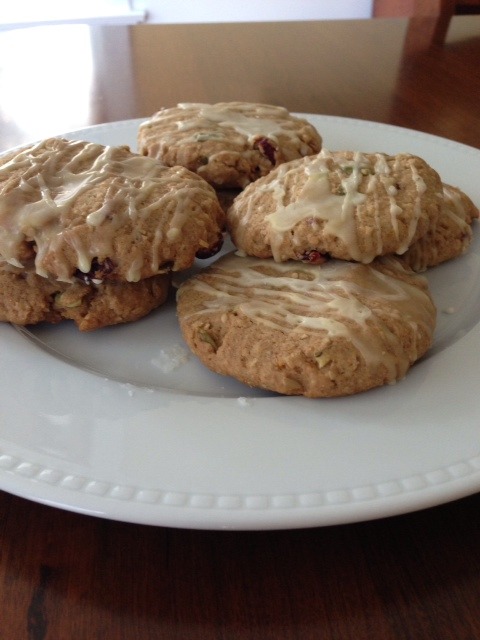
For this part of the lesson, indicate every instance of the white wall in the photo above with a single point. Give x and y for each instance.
(25, 13)
(16, 14)
(180, 11)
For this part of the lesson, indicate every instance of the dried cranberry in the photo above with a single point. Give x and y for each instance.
(208, 252)
(98, 271)
(266, 147)
(314, 257)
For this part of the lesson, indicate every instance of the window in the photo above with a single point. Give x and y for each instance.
(27, 13)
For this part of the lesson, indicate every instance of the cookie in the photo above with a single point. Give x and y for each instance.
(344, 204)
(229, 144)
(27, 298)
(447, 238)
(76, 209)
(315, 330)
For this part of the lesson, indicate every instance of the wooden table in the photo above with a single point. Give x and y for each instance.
(67, 576)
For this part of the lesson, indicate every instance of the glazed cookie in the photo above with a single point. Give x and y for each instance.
(345, 204)
(229, 144)
(27, 298)
(76, 209)
(315, 330)
(449, 237)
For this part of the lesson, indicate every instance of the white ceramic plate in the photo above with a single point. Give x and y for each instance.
(101, 424)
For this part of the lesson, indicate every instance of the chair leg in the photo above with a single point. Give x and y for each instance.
(424, 33)
(428, 25)
(412, 8)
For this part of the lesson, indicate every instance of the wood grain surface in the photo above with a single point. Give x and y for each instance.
(65, 575)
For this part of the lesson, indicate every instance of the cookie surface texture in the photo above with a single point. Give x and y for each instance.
(315, 330)
(73, 209)
(345, 204)
(449, 237)
(229, 144)
(27, 299)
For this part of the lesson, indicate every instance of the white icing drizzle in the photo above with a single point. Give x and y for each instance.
(317, 200)
(266, 121)
(40, 208)
(456, 215)
(333, 298)
(382, 168)
(421, 187)
(340, 212)
(455, 209)
(201, 122)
